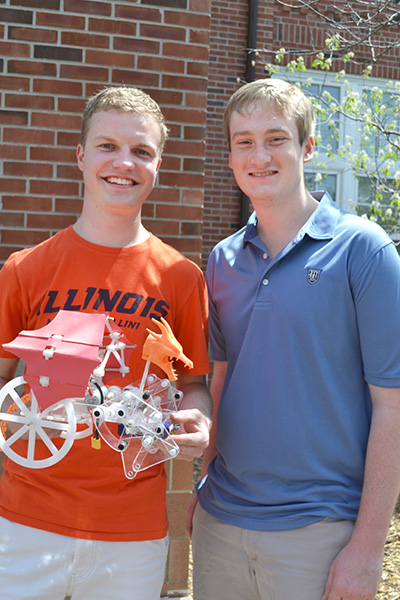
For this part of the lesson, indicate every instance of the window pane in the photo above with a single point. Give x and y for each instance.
(328, 184)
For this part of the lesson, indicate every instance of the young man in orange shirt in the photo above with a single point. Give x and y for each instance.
(79, 528)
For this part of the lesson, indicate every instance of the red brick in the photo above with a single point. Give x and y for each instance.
(185, 115)
(171, 163)
(26, 203)
(58, 87)
(137, 13)
(186, 19)
(83, 73)
(184, 83)
(14, 83)
(194, 133)
(69, 172)
(199, 37)
(29, 101)
(196, 100)
(88, 7)
(13, 117)
(182, 180)
(28, 136)
(186, 148)
(76, 105)
(32, 34)
(12, 185)
(8, 219)
(156, 63)
(24, 237)
(13, 152)
(165, 195)
(111, 59)
(137, 78)
(163, 97)
(60, 20)
(184, 245)
(200, 6)
(194, 164)
(50, 187)
(179, 212)
(56, 120)
(27, 169)
(14, 49)
(32, 67)
(68, 205)
(192, 197)
(75, 38)
(185, 51)
(113, 27)
(160, 228)
(50, 221)
(68, 138)
(160, 32)
(136, 45)
(53, 154)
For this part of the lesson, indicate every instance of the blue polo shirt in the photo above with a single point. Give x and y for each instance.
(303, 333)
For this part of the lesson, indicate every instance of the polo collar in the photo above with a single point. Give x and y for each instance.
(321, 225)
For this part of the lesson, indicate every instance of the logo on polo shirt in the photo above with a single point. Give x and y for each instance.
(313, 275)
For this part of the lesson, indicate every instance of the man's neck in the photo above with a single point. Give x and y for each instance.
(279, 222)
(118, 232)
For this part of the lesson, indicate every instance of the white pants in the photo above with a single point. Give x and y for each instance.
(38, 565)
(230, 563)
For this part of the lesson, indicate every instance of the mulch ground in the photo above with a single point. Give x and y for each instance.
(390, 586)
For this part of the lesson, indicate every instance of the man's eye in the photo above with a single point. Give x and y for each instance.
(106, 146)
(142, 152)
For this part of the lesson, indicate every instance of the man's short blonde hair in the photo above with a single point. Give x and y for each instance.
(273, 94)
(126, 99)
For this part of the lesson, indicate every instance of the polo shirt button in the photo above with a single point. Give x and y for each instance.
(265, 282)
(265, 256)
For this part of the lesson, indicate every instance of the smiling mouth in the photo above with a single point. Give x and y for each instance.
(120, 181)
(264, 174)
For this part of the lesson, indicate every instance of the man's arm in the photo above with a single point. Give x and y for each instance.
(356, 572)
(194, 415)
(8, 367)
(217, 383)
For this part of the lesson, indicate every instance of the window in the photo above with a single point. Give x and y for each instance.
(349, 185)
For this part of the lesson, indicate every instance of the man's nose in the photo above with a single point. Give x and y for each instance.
(124, 159)
(261, 154)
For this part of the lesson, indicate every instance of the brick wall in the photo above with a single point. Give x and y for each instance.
(56, 53)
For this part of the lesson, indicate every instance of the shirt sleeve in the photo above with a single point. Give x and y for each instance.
(12, 312)
(217, 342)
(191, 327)
(376, 293)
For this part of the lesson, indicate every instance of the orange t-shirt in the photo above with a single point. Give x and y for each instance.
(86, 494)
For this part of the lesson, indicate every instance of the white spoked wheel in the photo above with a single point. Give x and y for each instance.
(40, 438)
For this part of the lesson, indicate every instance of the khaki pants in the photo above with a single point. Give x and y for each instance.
(38, 565)
(230, 563)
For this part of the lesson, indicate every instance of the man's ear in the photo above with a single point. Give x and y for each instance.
(308, 149)
(159, 165)
(80, 153)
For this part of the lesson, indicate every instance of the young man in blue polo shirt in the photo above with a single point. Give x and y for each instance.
(303, 472)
